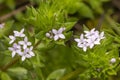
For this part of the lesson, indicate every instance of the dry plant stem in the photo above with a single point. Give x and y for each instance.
(100, 22)
(15, 60)
(71, 75)
(6, 16)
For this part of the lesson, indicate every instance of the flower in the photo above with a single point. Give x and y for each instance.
(15, 49)
(82, 43)
(92, 42)
(25, 43)
(22, 48)
(19, 34)
(27, 53)
(2, 25)
(91, 34)
(13, 38)
(58, 33)
(101, 36)
(30, 51)
(89, 39)
(49, 34)
(113, 60)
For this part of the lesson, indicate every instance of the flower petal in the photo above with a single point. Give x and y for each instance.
(91, 45)
(22, 35)
(22, 30)
(13, 54)
(24, 46)
(29, 43)
(11, 49)
(21, 42)
(47, 34)
(23, 58)
(77, 40)
(28, 56)
(56, 37)
(62, 36)
(31, 53)
(85, 49)
(61, 30)
(54, 31)
(26, 39)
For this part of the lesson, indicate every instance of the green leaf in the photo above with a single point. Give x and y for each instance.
(96, 5)
(10, 4)
(40, 35)
(85, 11)
(69, 25)
(17, 71)
(111, 72)
(5, 76)
(56, 74)
(6, 29)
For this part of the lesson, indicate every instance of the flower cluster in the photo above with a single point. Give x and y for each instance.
(56, 34)
(89, 39)
(2, 25)
(23, 47)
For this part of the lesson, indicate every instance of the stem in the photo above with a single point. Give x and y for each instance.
(6, 16)
(35, 46)
(100, 22)
(5, 67)
(72, 74)
(15, 60)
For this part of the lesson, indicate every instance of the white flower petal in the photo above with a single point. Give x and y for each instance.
(113, 60)
(11, 37)
(77, 40)
(47, 34)
(86, 32)
(2, 25)
(92, 30)
(31, 48)
(22, 35)
(24, 46)
(29, 43)
(28, 56)
(26, 39)
(22, 30)
(11, 41)
(56, 37)
(91, 45)
(85, 49)
(10, 48)
(54, 31)
(62, 36)
(23, 58)
(31, 53)
(13, 54)
(21, 42)
(61, 30)
(19, 52)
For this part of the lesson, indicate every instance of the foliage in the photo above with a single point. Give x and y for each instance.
(61, 59)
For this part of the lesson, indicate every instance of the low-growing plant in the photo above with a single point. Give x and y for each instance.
(43, 44)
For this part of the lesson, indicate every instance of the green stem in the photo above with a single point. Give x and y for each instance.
(5, 67)
(72, 74)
